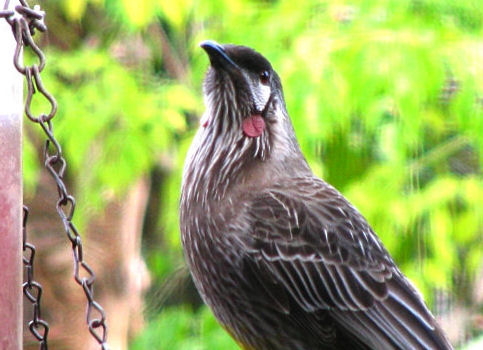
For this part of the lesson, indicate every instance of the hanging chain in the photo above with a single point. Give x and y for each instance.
(24, 21)
(32, 289)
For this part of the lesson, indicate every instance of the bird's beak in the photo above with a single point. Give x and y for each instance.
(218, 56)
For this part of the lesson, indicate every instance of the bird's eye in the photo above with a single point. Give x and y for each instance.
(265, 77)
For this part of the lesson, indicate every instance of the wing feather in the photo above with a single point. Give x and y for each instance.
(298, 266)
(327, 258)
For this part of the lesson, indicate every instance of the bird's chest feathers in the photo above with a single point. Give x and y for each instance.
(218, 165)
(210, 243)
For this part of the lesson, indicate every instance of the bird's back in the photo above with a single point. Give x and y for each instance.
(295, 266)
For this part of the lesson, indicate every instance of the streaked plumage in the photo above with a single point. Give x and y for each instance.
(284, 260)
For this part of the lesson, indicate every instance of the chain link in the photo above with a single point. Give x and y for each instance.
(32, 289)
(24, 21)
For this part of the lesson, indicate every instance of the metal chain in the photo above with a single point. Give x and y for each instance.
(32, 289)
(24, 21)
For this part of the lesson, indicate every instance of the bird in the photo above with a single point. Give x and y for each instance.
(282, 259)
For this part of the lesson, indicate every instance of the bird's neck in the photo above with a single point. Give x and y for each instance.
(222, 159)
(218, 162)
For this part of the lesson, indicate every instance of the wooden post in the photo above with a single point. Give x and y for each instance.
(10, 193)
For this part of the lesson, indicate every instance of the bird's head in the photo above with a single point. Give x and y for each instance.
(245, 132)
(242, 91)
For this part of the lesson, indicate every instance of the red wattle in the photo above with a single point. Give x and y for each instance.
(253, 126)
(204, 121)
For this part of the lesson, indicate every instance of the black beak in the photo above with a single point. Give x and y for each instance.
(218, 56)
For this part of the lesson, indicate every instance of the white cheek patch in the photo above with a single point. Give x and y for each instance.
(260, 92)
(261, 95)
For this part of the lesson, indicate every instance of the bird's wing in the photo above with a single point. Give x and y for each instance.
(323, 252)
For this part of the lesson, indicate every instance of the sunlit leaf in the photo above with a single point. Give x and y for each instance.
(75, 9)
(139, 12)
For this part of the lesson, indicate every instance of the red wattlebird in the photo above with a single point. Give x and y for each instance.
(282, 258)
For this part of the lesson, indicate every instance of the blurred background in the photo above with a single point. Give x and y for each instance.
(387, 102)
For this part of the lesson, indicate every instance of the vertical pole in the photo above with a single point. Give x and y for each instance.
(11, 90)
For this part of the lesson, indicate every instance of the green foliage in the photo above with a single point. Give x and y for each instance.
(385, 97)
(180, 328)
(112, 127)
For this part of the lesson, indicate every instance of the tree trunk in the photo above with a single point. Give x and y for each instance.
(112, 248)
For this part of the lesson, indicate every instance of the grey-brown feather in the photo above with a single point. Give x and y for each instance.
(335, 262)
(281, 257)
